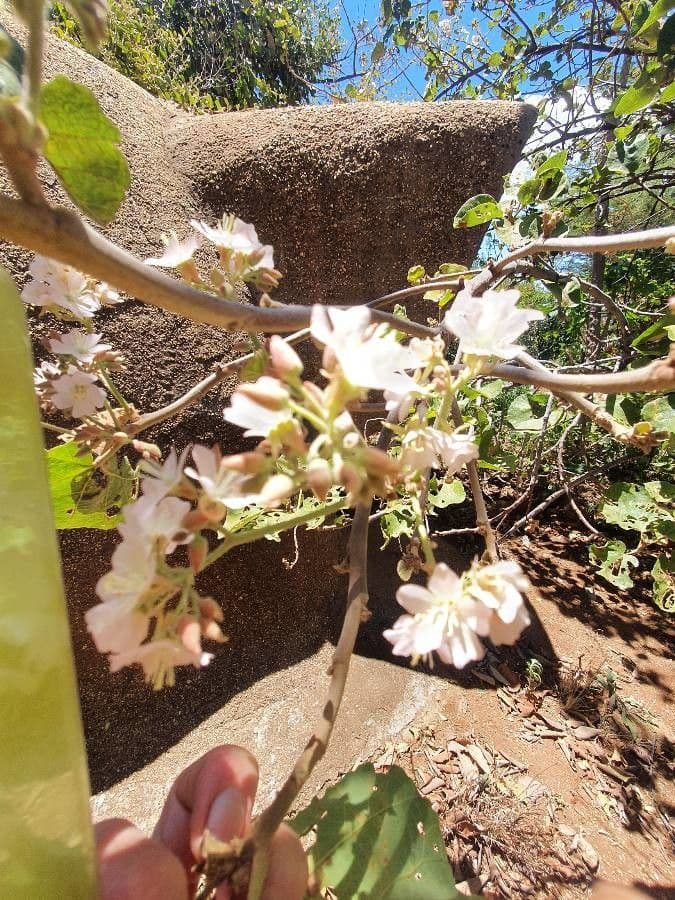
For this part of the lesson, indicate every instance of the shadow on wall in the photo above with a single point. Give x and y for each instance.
(275, 615)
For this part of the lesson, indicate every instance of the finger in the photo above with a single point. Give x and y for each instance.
(132, 866)
(215, 792)
(287, 875)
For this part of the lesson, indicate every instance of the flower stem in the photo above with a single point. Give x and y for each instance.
(247, 537)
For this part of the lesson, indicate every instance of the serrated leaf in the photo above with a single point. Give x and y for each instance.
(398, 521)
(614, 563)
(70, 477)
(448, 494)
(83, 148)
(477, 211)
(663, 573)
(375, 837)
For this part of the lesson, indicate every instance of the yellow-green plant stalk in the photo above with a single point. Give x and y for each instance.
(46, 845)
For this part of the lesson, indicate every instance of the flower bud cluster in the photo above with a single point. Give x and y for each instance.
(242, 257)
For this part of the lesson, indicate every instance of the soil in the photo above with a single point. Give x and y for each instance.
(588, 769)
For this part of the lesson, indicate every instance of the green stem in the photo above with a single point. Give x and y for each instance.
(247, 537)
(318, 423)
(425, 540)
(112, 387)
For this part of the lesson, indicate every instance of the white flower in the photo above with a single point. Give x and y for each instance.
(117, 623)
(448, 615)
(158, 659)
(441, 618)
(106, 295)
(240, 239)
(43, 376)
(78, 392)
(146, 520)
(259, 407)
(77, 343)
(59, 286)
(219, 483)
(368, 359)
(489, 325)
(176, 252)
(500, 588)
(162, 479)
(430, 448)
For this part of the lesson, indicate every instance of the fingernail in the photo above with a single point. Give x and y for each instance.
(227, 816)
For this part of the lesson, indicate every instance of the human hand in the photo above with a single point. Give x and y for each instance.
(215, 792)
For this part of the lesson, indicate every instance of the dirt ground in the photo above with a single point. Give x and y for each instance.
(542, 787)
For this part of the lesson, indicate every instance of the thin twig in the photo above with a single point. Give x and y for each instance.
(556, 495)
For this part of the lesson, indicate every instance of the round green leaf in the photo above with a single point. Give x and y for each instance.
(83, 148)
(477, 211)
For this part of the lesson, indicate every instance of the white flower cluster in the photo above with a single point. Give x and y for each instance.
(450, 614)
(72, 382)
(242, 256)
(142, 595)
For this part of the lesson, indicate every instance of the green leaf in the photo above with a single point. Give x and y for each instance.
(635, 507)
(73, 483)
(448, 494)
(529, 191)
(477, 211)
(398, 521)
(83, 150)
(415, 274)
(660, 413)
(636, 97)
(378, 53)
(523, 415)
(663, 573)
(666, 41)
(659, 10)
(655, 332)
(554, 163)
(614, 563)
(375, 837)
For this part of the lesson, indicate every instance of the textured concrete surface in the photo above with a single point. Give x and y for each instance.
(273, 719)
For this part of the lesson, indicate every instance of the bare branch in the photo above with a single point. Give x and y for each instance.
(62, 235)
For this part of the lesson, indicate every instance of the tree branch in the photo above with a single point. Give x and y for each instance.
(62, 235)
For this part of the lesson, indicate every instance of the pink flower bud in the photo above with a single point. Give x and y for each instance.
(350, 478)
(209, 609)
(266, 392)
(284, 358)
(197, 551)
(276, 489)
(190, 634)
(212, 632)
(319, 478)
(211, 510)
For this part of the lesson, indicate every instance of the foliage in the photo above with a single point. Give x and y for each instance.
(79, 500)
(374, 836)
(216, 54)
(138, 46)
(83, 148)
